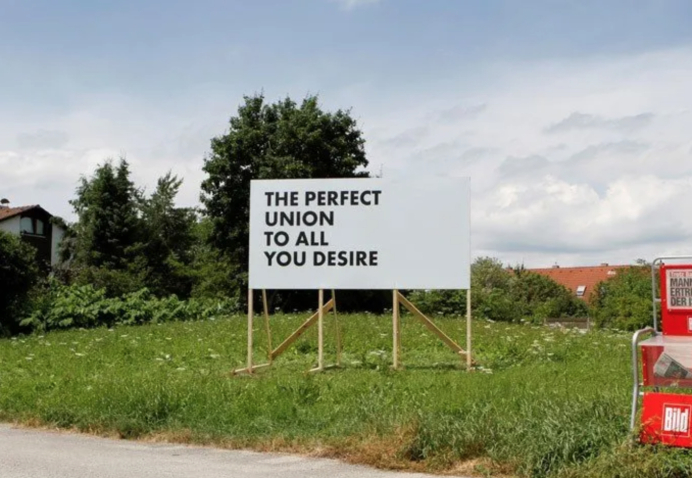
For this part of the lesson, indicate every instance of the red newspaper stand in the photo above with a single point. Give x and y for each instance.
(666, 359)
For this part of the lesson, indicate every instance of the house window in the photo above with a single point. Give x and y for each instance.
(580, 290)
(29, 225)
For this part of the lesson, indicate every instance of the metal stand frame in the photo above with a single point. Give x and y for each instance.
(635, 373)
(655, 299)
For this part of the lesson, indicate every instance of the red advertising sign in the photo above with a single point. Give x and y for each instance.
(676, 299)
(666, 419)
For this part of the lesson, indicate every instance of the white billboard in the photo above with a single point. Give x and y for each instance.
(360, 233)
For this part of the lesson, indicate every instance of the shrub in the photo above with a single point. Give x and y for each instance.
(502, 294)
(18, 274)
(624, 301)
(62, 307)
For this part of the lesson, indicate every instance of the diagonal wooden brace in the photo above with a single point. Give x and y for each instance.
(301, 330)
(429, 324)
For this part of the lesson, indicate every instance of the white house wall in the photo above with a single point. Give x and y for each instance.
(10, 225)
(58, 233)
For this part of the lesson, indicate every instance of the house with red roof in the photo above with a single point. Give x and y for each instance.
(33, 224)
(581, 281)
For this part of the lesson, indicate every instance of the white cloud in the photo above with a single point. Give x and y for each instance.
(580, 161)
(585, 161)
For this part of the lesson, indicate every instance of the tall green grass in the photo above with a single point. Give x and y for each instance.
(542, 402)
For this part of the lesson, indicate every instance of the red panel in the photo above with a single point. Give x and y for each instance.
(676, 310)
(667, 419)
(649, 357)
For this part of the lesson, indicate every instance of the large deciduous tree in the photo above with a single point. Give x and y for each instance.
(272, 141)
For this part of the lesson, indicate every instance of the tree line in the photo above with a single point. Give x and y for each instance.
(127, 246)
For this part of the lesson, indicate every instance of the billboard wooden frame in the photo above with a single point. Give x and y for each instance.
(398, 299)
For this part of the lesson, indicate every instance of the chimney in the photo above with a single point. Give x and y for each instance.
(604, 264)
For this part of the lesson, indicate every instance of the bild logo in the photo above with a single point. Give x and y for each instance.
(676, 419)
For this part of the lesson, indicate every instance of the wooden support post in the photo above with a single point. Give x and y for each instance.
(320, 331)
(250, 313)
(430, 325)
(469, 360)
(338, 331)
(396, 329)
(250, 370)
(266, 323)
(300, 331)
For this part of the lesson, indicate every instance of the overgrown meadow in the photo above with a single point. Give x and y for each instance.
(541, 402)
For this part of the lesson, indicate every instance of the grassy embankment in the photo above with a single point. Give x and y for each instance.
(545, 402)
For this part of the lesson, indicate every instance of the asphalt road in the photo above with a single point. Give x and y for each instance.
(41, 454)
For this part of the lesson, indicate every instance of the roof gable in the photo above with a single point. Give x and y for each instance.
(9, 212)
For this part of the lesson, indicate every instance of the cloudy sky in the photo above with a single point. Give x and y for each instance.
(573, 118)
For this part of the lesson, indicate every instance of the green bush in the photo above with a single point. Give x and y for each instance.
(624, 301)
(440, 302)
(502, 294)
(62, 307)
(18, 274)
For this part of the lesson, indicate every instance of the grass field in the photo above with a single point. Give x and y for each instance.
(543, 402)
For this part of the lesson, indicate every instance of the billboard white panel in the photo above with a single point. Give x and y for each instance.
(360, 233)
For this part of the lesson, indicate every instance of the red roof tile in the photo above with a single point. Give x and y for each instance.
(8, 212)
(573, 277)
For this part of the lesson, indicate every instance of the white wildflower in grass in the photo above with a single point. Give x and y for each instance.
(79, 354)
